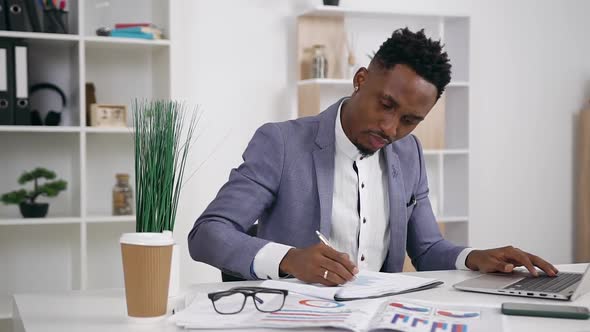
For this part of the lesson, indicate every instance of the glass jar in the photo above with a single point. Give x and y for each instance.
(319, 63)
(122, 196)
(351, 68)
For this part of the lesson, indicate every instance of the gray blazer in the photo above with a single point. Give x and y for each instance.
(286, 183)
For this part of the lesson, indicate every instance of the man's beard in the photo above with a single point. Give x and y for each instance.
(366, 152)
(363, 150)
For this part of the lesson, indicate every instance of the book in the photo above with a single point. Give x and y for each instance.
(156, 32)
(128, 25)
(140, 29)
(299, 311)
(124, 34)
(367, 284)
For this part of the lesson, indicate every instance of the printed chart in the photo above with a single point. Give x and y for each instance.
(309, 312)
(410, 308)
(416, 317)
(321, 303)
(457, 314)
(365, 280)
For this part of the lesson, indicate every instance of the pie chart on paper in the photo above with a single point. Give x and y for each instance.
(409, 308)
(321, 304)
(457, 314)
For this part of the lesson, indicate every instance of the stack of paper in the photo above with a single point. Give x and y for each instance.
(364, 315)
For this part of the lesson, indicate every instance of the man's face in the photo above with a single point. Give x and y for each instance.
(388, 105)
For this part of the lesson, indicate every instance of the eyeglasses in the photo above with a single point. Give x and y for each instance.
(232, 301)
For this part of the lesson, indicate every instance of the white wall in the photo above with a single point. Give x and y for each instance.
(529, 75)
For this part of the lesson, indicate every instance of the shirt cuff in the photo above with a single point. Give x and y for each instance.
(460, 262)
(267, 260)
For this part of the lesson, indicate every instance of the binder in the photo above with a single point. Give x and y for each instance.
(22, 110)
(17, 16)
(6, 82)
(3, 15)
(33, 15)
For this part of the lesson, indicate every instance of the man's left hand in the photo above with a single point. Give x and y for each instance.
(505, 259)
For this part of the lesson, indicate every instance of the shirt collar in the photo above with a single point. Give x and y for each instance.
(343, 143)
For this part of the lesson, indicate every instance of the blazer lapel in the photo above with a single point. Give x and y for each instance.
(323, 159)
(324, 169)
(397, 212)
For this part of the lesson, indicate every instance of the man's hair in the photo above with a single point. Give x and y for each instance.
(422, 54)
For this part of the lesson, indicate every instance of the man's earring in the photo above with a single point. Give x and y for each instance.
(356, 88)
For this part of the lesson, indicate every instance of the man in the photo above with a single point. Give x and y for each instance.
(355, 174)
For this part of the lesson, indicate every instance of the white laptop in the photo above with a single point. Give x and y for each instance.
(565, 286)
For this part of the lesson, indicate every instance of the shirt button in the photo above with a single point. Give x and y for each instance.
(362, 185)
(362, 257)
(364, 220)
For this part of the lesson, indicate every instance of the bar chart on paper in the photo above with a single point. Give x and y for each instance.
(424, 317)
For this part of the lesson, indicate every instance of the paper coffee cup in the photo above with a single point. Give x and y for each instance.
(146, 268)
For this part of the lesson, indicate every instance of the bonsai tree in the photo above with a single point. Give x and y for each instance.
(49, 189)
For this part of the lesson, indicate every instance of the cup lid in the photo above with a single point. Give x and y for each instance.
(148, 239)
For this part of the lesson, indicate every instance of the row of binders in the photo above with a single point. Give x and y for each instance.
(14, 85)
(33, 15)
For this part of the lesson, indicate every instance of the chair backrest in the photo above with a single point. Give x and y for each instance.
(252, 231)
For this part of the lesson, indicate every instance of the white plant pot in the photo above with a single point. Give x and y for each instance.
(174, 288)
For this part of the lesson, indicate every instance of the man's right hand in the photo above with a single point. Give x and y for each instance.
(310, 265)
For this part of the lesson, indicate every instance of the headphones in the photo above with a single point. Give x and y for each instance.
(53, 118)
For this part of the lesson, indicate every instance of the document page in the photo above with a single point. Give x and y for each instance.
(366, 284)
(369, 283)
(299, 311)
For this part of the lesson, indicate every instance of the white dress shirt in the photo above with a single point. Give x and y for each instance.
(365, 237)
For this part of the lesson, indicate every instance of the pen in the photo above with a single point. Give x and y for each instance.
(323, 239)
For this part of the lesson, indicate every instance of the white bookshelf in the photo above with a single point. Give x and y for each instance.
(110, 219)
(447, 166)
(126, 42)
(99, 130)
(76, 246)
(368, 13)
(348, 82)
(39, 36)
(40, 221)
(40, 129)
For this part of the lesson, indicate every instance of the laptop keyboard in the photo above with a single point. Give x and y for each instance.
(546, 284)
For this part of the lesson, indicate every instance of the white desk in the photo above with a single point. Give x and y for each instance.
(105, 310)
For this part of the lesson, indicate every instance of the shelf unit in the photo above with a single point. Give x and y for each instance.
(348, 82)
(445, 132)
(76, 246)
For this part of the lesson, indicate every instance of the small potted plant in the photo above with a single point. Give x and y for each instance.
(26, 200)
(331, 2)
